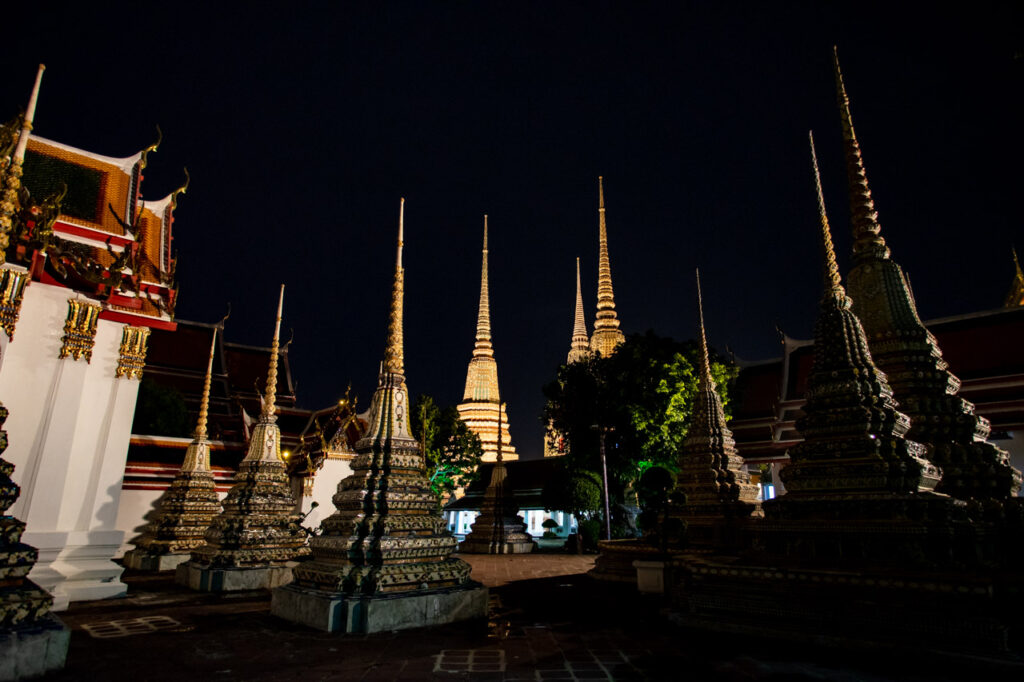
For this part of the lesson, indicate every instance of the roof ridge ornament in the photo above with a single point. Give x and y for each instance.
(26, 123)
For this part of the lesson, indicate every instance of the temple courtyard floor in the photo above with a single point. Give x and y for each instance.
(548, 621)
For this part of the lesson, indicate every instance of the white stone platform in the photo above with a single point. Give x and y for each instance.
(33, 650)
(336, 612)
(208, 579)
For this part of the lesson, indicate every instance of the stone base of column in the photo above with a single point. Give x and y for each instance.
(33, 650)
(141, 560)
(77, 565)
(216, 579)
(338, 612)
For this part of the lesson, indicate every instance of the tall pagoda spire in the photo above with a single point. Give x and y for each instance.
(579, 347)
(481, 407)
(250, 542)
(606, 326)
(483, 348)
(908, 353)
(711, 473)
(386, 535)
(190, 503)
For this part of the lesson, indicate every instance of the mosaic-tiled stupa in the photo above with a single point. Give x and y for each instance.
(187, 508)
(718, 490)
(498, 528)
(383, 559)
(250, 543)
(907, 352)
(857, 487)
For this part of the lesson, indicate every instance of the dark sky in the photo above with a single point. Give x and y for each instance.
(302, 124)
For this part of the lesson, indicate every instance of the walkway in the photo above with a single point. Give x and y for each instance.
(548, 621)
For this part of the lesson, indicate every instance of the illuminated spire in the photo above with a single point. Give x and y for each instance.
(867, 233)
(579, 348)
(270, 400)
(706, 381)
(833, 283)
(606, 327)
(394, 354)
(483, 347)
(481, 408)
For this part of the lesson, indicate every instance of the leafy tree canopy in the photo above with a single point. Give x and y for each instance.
(452, 451)
(644, 393)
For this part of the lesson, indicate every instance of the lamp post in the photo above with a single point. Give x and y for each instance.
(603, 432)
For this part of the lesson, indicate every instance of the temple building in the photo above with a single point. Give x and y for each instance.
(88, 275)
(481, 407)
(606, 336)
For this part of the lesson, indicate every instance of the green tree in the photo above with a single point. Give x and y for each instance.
(451, 450)
(643, 394)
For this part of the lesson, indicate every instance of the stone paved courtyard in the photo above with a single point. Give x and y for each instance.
(548, 622)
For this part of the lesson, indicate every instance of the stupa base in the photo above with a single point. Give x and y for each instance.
(140, 560)
(204, 578)
(33, 650)
(338, 612)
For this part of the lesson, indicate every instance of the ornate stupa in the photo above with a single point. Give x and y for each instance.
(907, 352)
(383, 559)
(481, 407)
(579, 347)
(607, 335)
(711, 474)
(856, 486)
(249, 544)
(189, 505)
(498, 529)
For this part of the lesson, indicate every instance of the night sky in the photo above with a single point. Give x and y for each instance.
(303, 124)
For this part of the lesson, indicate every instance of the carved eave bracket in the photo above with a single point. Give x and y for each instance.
(79, 330)
(132, 356)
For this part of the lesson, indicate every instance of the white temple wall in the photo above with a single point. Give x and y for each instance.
(68, 430)
(325, 484)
